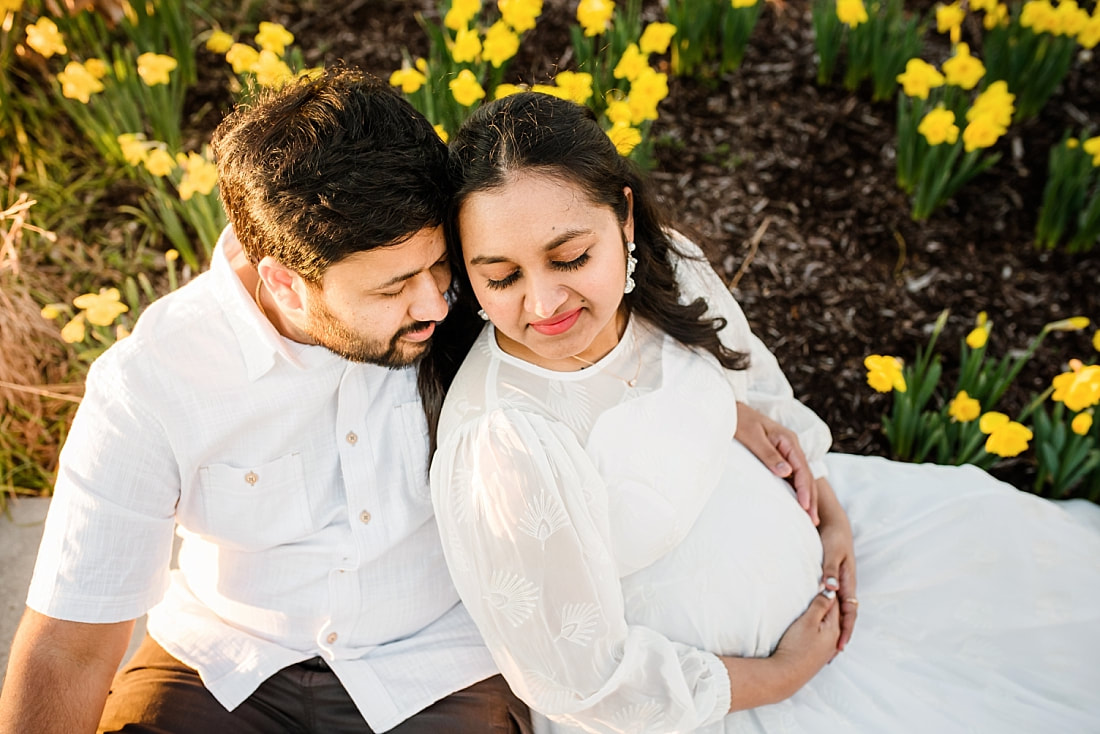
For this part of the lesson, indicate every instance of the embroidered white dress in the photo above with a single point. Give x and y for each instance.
(610, 540)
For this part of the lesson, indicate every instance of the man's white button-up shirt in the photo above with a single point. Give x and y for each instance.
(298, 483)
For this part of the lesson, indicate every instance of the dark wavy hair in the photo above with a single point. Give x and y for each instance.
(532, 132)
(329, 166)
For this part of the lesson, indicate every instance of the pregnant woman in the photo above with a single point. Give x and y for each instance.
(633, 568)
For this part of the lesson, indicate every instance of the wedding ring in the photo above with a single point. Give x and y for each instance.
(852, 600)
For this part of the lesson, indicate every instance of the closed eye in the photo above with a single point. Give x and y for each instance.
(574, 264)
(503, 282)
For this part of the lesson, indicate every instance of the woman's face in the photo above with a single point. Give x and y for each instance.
(548, 266)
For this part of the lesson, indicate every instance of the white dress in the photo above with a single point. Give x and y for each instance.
(610, 540)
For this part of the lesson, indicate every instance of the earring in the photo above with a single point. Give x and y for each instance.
(631, 263)
(484, 316)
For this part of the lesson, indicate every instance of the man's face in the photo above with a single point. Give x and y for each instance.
(380, 306)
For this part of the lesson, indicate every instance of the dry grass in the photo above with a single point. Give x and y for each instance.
(34, 367)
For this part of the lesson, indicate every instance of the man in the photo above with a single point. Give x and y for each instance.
(268, 409)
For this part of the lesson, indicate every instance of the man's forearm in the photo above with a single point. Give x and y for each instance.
(59, 674)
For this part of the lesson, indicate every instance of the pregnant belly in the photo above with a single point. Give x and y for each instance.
(749, 565)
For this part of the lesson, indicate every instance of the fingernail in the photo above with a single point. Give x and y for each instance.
(783, 467)
(830, 581)
(829, 594)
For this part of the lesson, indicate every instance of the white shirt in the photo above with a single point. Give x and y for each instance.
(298, 482)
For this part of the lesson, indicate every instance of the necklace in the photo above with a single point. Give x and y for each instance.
(632, 382)
(259, 301)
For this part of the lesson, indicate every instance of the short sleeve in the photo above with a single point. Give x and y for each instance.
(107, 542)
(523, 517)
(763, 385)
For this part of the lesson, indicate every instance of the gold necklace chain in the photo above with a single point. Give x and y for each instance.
(259, 302)
(632, 382)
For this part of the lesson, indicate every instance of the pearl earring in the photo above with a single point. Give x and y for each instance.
(484, 316)
(631, 263)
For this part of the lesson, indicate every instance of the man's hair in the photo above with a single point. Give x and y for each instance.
(329, 166)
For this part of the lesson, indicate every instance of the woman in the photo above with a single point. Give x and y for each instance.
(634, 568)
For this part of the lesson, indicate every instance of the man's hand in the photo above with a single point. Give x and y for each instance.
(839, 564)
(778, 448)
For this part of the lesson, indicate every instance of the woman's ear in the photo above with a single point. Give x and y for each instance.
(628, 223)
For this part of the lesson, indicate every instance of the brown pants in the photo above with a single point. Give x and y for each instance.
(157, 694)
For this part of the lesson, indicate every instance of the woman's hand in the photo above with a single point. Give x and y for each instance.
(810, 642)
(778, 448)
(839, 564)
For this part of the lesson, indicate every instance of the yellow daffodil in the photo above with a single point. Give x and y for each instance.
(466, 46)
(631, 64)
(1081, 424)
(656, 37)
(938, 127)
(884, 373)
(50, 311)
(1073, 323)
(133, 147)
(461, 13)
(409, 79)
(995, 102)
(466, 89)
(1006, 437)
(919, 78)
(983, 5)
(200, 176)
(964, 408)
(743, 3)
(618, 112)
(441, 132)
(520, 15)
(551, 90)
(219, 42)
(1096, 340)
(646, 92)
(981, 132)
(625, 138)
(96, 67)
(577, 85)
(962, 69)
(12, 6)
(851, 12)
(501, 43)
(77, 83)
(102, 308)
(155, 68)
(172, 255)
(1092, 147)
(274, 37)
(503, 90)
(978, 337)
(595, 15)
(121, 332)
(270, 70)
(74, 331)
(242, 57)
(1038, 15)
(159, 162)
(996, 17)
(1079, 388)
(1069, 19)
(45, 39)
(1089, 35)
(949, 17)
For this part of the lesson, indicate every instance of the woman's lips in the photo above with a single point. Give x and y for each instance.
(557, 324)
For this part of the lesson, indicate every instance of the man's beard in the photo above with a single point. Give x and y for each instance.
(333, 334)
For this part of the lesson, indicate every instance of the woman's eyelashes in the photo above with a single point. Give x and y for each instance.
(564, 265)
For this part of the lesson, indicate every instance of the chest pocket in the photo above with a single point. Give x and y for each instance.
(253, 508)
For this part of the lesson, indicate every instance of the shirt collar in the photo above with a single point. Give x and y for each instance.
(261, 344)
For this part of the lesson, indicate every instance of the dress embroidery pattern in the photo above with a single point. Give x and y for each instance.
(513, 596)
(543, 517)
(578, 622)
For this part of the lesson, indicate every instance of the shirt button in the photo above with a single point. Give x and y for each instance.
(332, 637)
(351, 438)
(364, 517)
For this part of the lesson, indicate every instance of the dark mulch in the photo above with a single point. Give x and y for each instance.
(791, 188)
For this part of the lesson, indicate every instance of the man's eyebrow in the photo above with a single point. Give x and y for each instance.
(400, 278)
(550, 246)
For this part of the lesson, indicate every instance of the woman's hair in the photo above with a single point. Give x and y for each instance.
(537, 133)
